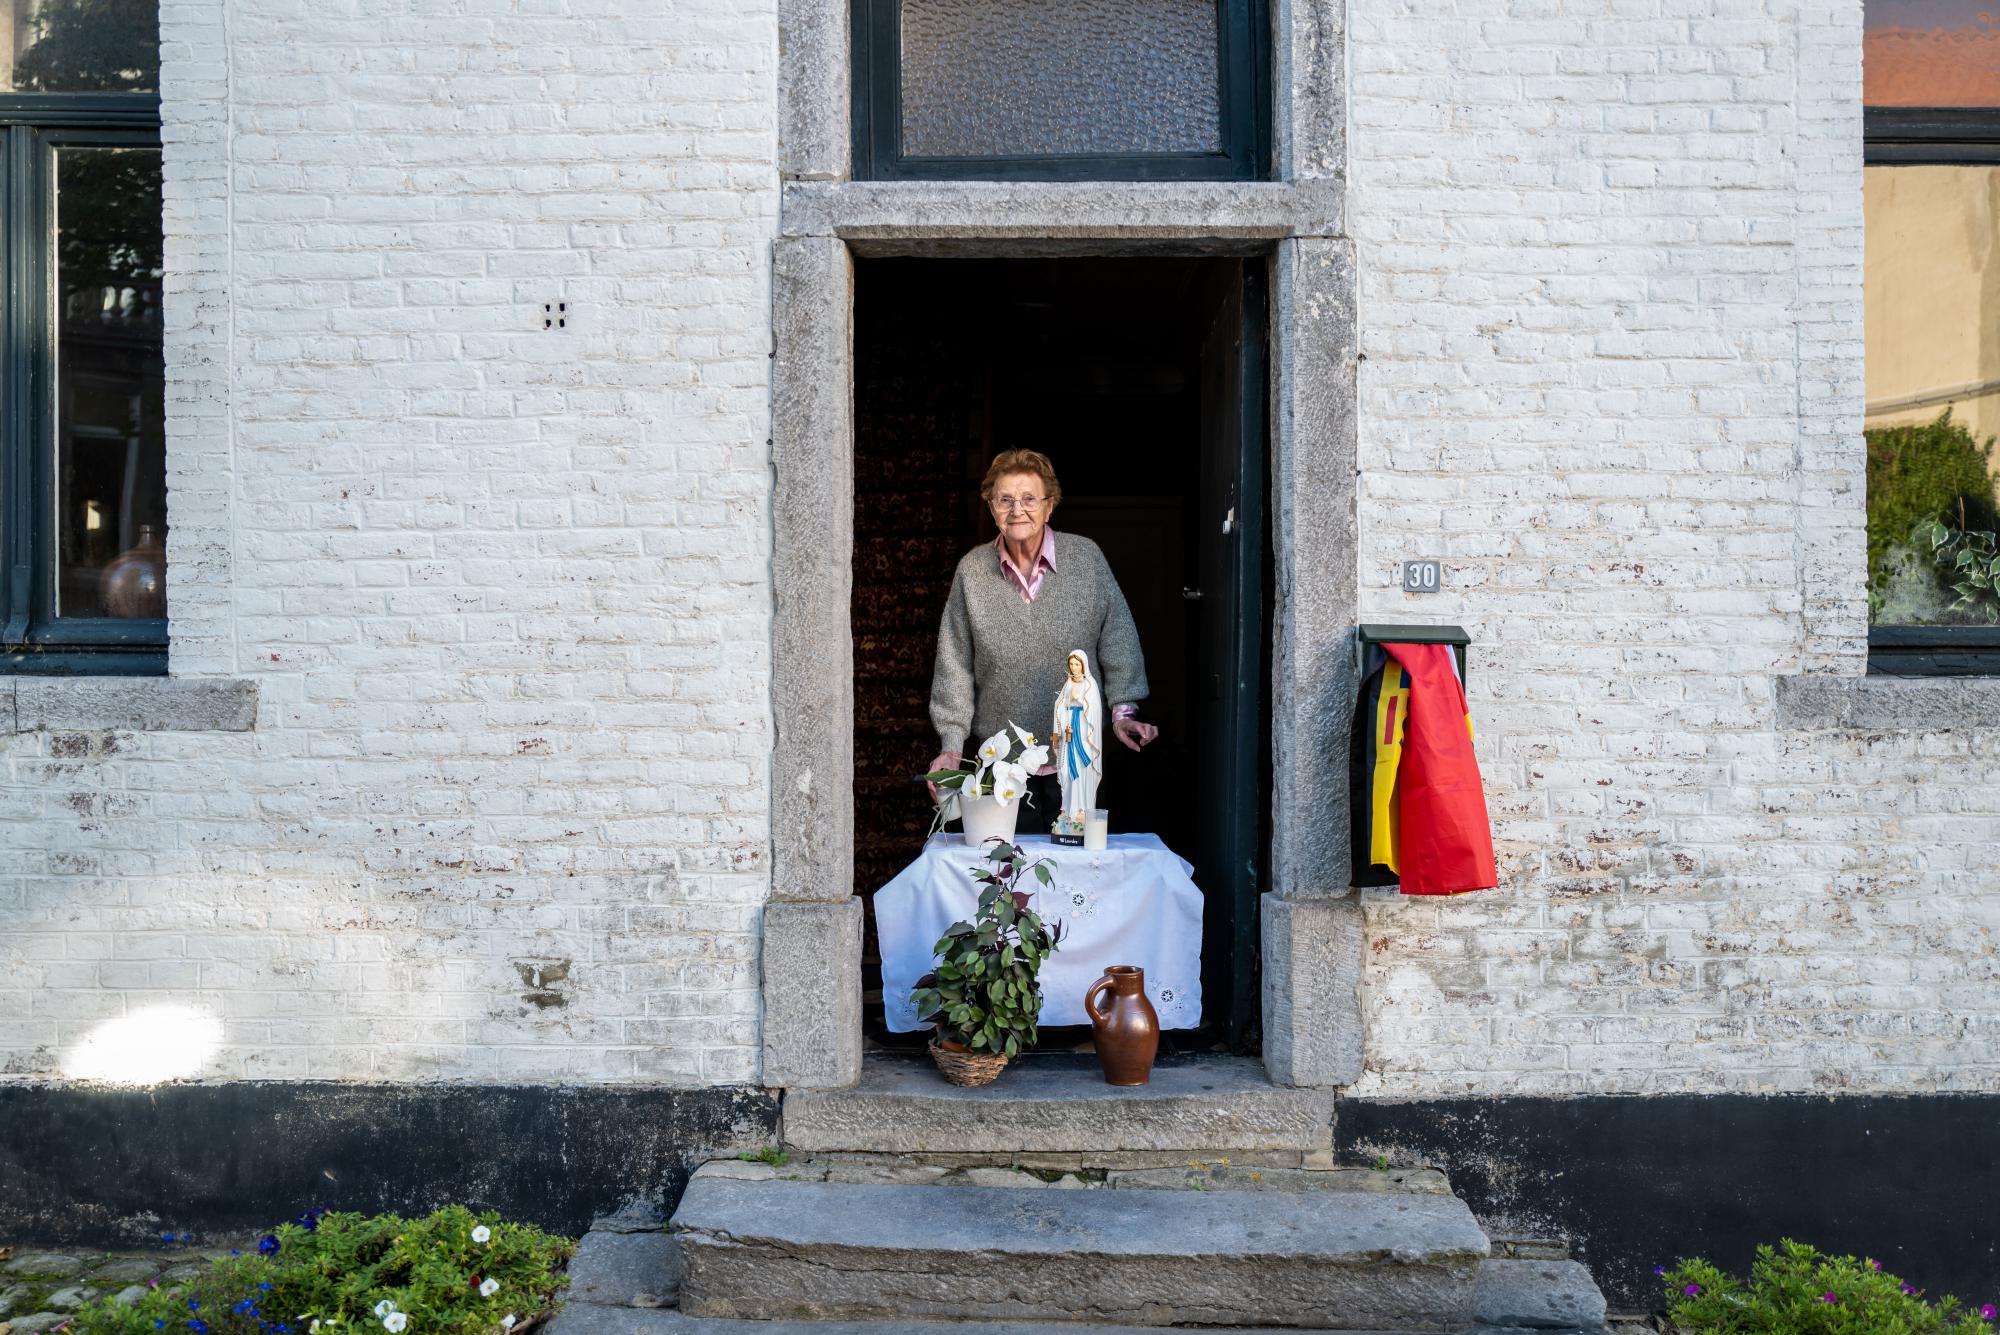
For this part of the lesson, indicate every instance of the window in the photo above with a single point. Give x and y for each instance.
(1061, 89)
(82, 441)
(1931, 197)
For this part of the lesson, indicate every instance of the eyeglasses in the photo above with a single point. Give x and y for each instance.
(1003, 504)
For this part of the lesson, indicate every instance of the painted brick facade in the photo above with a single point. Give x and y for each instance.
(1611, 312)
(503, 590)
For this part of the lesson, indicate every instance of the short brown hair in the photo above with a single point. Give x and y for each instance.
(1022, 461)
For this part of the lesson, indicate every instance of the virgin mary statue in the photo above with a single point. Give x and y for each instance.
(1078, 735)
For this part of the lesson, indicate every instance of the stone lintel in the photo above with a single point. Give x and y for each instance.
(812, 995)
(130, 704)
(1888, 704)
(1312, 990)
(879, 216)
(812, 655)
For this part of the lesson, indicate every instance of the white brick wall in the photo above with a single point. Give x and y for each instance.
(504, 591)
(1610, 258)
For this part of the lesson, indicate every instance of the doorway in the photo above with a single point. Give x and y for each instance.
(1145, 380)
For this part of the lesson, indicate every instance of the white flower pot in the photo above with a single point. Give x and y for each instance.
(988, 818)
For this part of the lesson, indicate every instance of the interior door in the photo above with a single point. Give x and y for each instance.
(1230, 615)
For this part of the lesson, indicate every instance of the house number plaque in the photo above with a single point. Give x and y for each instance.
(1420, 577)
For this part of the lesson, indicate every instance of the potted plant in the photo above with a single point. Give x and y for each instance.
(988, 796)
(983, 995)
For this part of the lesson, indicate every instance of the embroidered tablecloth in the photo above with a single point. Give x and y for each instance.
(1130, 904)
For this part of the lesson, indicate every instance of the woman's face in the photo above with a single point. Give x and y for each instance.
(1021, 508)
(1075, 668)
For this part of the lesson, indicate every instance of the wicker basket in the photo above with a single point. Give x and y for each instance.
(964, 1067)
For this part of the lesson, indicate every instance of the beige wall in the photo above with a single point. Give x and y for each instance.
(1933, 293)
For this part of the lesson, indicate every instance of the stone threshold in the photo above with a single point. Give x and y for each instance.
(1056, 1112)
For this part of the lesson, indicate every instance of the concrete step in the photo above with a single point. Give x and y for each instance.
(824, 1251)
(584, 1319)
(1056, 1111)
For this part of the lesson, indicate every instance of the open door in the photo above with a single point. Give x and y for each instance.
(1230, 676)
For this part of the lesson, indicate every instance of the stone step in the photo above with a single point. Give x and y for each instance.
(823, 1251)
(583, 1319)
(1056, 1111)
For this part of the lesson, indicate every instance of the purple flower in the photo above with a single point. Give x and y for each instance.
(1909, 1287)
(1659, 1270)
(1989, 1311)
(166, 1237)
(198, 1326)
(1828, 1297)
(187, 1237)
(1874, 1264)
(268, 1244)
(1691, 1290)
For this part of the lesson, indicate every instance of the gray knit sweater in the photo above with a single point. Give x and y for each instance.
(1000, 660)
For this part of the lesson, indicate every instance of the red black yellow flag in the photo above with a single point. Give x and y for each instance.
(1419, 812)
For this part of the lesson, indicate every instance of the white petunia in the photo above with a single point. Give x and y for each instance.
(481, 1233)
(488, 1287)
(385, 1307)
(1034, 758)
(396, 1322)
(996, 747)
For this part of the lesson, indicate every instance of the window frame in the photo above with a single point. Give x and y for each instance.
(1932, 137)
(33, 639)
(1243, 57)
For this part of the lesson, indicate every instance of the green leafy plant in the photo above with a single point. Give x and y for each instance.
(1968, 561)
(1922, 470)
(770, 1154)
(1797, 1290)
(452, 1272)
(983, 994)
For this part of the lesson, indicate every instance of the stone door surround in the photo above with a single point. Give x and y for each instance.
(1311, 921)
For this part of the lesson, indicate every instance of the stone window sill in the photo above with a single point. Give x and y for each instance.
(1888, 704)
(127, 704)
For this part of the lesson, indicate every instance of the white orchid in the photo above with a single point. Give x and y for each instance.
(385, 1307)
(1027, 738)
(488, 1287)
(480, 1233)
(1034, 758)
(396, 1322)
(1009, 781)
(995, 747)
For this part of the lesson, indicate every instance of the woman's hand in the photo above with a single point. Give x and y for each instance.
(1134, 733)
(945, 760)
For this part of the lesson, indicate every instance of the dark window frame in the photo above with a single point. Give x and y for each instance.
(1243, 32)
(1932, 137)
(33, 640)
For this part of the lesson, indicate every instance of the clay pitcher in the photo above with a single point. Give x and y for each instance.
(1124, 1025)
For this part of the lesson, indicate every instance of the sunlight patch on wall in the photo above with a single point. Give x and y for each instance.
(151, 1045)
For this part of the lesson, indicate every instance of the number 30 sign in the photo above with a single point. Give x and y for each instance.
(1420, 577)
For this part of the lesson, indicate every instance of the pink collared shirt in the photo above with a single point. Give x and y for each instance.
(1030, 584)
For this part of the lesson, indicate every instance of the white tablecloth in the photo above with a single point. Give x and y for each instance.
(1130, 904)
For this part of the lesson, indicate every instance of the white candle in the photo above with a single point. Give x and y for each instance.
(1096, 828)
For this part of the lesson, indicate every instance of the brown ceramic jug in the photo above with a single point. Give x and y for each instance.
(1125, 1027)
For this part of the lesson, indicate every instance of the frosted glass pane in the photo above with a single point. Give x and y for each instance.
(983, 78)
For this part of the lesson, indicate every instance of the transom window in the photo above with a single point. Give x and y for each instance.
(1932, 214)
(82, 438)
(1061, 89)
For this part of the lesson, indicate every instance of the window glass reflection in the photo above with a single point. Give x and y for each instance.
(80, 46)
(1933, 369)
(109, 438)
(1931, 53)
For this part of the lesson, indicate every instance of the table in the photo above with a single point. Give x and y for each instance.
(1129, 904)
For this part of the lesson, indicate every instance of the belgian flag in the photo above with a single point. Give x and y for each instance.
(1419, 811)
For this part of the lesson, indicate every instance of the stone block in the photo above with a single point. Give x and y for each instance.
(136, 704)
(1887, 704)
(812, 995)
(625, 1269)
(69, 1299)
(1046, 1106)
(791, 1251)
(1539, 1295)
(814, 129)
(51, 1265)
(812, 687)
(1312, 950)
(1235, 1177)
(127, 1270)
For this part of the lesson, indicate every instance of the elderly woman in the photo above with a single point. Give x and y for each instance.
(1018, 605)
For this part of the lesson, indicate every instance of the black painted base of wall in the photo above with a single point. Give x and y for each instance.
(1636, 1182)
(116, 1168)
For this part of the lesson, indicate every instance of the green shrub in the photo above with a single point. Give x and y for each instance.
(450, 1273)
(1796, 1290)
(1922, 470)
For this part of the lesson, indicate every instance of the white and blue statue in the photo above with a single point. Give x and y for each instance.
(1078, 735)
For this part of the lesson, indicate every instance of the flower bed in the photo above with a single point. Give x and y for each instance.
(1797, 1290)
(449, 1273)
